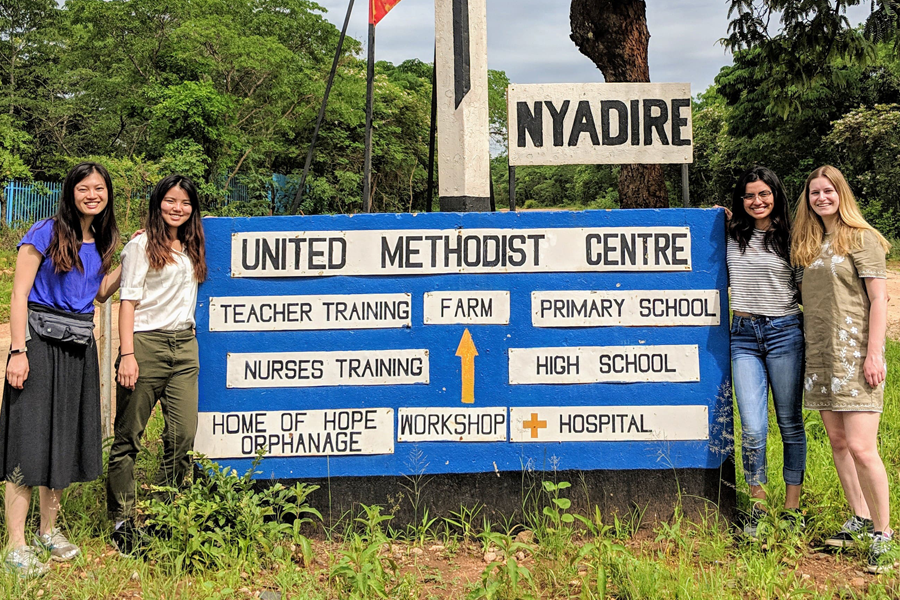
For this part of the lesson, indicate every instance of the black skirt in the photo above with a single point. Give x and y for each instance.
(50, 429)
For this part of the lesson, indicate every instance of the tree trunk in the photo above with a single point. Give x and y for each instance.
(614, 35)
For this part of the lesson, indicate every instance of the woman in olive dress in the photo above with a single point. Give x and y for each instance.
(845, 310)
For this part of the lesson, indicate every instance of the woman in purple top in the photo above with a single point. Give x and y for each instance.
(50, 414)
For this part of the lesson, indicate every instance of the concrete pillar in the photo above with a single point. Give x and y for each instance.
(463, 131)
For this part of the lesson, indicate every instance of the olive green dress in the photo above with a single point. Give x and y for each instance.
(836, 324)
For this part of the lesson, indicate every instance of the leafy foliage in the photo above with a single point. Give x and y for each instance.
(221, 91)
(868, 144)
(222, 519)
(13, 145)
(504, 578)
(798, 41)
(734, 128)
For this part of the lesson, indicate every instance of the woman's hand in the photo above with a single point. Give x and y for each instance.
(136, 233)
(17, 370)
(128, 372)
(728, 213)
(874, 369)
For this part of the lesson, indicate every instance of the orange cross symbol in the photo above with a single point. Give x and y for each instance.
(534, 425)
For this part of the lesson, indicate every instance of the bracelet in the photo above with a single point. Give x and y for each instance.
(21, 350)
(127, 354)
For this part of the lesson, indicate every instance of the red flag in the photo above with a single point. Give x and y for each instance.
(379, 8)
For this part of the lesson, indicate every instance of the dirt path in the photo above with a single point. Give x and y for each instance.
(893, 288)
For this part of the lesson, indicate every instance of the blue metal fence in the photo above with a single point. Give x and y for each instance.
(30, 202)
(27, 202)
(281, 193)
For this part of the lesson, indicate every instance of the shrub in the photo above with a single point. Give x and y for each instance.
(220, 519)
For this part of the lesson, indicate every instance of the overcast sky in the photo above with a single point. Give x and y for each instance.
(529, 39)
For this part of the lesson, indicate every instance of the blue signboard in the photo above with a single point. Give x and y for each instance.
(400, 344)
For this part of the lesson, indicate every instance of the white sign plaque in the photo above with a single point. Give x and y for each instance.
(295, 313)
(650, 308)
(608, 423)
(338, 432)
(321, 369)
(603, 364)
(451, 424)
(467, 308)
(437, 251)
(599, 123)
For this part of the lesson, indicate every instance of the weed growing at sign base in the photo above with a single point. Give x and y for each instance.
(222, 519)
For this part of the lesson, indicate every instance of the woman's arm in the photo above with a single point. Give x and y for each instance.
(113, 279)
(873, 368)
(128, 367)
(110, 284)
(28, 262)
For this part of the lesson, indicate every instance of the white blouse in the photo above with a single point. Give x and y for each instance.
(165, 297)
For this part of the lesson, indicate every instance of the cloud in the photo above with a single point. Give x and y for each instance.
(529, 39)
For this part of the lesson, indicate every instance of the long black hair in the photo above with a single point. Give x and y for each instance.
(741, 226)
(67, 238)
(190, 233)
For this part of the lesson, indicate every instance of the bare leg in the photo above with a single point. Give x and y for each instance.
(862, 438)
(50, 500)
(757, 493)
(18, 499)
(791, 499)
(844, 463)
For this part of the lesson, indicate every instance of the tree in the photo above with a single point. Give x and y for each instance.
(868, 144)
(614, 35)
(804, 43)
(735, 126)
(21, 22)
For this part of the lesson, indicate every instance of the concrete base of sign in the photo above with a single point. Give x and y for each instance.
(465, 204)
(651, 494)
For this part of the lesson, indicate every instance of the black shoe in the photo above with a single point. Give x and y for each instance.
(854, 528)
(793, 520)
(751, 526)
(128, 540)
(880, 553)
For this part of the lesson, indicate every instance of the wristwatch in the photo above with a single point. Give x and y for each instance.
(21, 350)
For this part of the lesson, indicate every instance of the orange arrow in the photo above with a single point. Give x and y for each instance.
(467, 353)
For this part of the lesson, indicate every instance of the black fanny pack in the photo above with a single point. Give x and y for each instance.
(61, 327)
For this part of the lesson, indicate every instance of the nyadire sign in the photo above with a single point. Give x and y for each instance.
(599, 123)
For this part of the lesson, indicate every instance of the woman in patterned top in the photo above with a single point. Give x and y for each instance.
(766, 336)
(845, 308)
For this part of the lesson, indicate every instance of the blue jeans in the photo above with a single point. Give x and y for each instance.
(769, 351)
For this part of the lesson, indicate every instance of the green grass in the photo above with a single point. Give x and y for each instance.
(586, 556)
(8, 240)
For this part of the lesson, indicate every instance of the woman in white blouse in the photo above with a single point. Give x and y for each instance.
(158, 359)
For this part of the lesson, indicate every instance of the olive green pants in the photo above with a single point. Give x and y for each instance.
(168, 366)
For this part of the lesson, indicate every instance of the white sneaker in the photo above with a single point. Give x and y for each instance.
(60, 548)
(25, 562)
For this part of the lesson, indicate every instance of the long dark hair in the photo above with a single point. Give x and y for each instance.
(190, 233)
(741, 226)
(67, 236)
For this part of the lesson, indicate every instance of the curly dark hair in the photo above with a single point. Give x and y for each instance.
(741, 226)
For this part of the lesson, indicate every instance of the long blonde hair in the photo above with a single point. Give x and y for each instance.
(808, 232)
